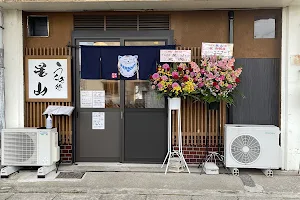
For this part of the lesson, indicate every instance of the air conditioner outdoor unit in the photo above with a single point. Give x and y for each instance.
(252, 146)
(29, 147)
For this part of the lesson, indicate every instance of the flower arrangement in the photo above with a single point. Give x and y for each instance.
(220, 79)
(214, 80)
(177, 80)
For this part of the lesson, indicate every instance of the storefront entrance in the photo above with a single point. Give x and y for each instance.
(135, 119)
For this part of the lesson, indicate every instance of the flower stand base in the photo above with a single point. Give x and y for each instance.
(176, 164)
(174, 159)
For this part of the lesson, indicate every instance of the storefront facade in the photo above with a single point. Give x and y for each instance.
(136, 121)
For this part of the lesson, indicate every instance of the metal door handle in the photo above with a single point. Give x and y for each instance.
(121, 114)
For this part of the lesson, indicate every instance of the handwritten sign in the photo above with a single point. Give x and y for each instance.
(92, 99)
(47, 79)
(218, 49)
(99, 99)
(98, 120)
(175, 55)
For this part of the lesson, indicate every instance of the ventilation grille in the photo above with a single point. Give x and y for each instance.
(245, 149)
(121, 22)
(19, 148)
(127, 22)
(83, 22)
(157, 22)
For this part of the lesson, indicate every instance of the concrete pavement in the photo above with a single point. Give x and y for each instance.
(151, 185)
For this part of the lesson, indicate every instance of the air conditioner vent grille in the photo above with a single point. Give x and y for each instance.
(19, 148)
(245, 149)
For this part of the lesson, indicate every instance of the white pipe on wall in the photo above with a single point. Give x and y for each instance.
(2, 85)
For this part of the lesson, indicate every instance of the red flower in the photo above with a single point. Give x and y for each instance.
(215, 84)
(180, 69)
(175, 76)
(151, 77)
(237, 80)
(185, 78)
(232, 67)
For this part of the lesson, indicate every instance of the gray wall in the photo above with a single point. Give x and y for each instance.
(260, 84)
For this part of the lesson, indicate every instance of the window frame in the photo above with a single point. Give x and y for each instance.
(28, 29)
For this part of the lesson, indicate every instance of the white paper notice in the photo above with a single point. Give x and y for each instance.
(86, 99)
(98, 120)
(175, 55)
(99, 99)
(218, 49)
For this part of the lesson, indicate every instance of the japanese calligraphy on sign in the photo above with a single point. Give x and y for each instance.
(175, 55)
(47, 78)
(218, 49)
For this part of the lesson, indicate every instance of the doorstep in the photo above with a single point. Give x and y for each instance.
(119, 167)
(152, 168)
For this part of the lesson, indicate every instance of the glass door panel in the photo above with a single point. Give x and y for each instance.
(139, 94)
(111, 87)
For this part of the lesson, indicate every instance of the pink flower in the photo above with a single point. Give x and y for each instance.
(222, 78)
(229, 86)
(166, 67)
(192, 74)
(160, 86)
(195, 67)
(202, 71)
(217, 87)
(175, 85)
(182, 84)
(164, 77)
(175, 75)
(210, 76)
(155, 76)
(200, 85)
(231, 62)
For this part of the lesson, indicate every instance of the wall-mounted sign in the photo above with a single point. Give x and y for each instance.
(48, 78)
(175, 55)
(218, 49)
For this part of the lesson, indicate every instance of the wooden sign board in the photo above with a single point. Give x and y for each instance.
(175, 55)
(48, 78)
(218, 49)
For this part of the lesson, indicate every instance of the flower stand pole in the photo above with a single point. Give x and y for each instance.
(174, 104)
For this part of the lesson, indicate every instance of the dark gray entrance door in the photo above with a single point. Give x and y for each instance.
(92, 143)
(145, 119)
(135, 119)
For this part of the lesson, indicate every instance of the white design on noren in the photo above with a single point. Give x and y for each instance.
(128, 65)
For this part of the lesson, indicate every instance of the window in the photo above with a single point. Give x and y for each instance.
(111, 87)
(38, 26)
(264, 27)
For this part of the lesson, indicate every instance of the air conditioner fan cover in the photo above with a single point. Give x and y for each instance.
(245, 149)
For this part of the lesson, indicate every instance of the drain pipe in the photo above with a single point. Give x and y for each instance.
(2, 88)
(231, 19)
